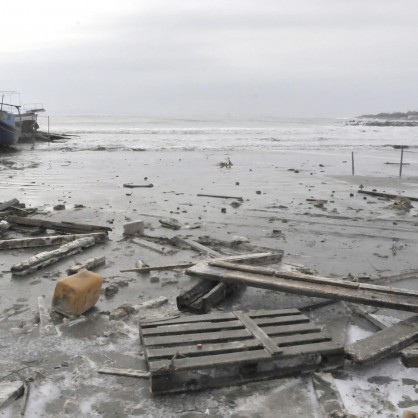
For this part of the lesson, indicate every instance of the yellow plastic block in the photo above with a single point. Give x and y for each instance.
(75, 294)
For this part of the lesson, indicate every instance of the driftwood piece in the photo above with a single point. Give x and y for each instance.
(124, 372)
(329, 399)
(136, 186)
(382, 343)
(387, 195)
(8, 204)
(308, 285)
(87, 264)
(49, 257)
(46, 326)
(10, 391)
(221, 196)
(151, 246)
(197, 247)
(396, 277)
(159, 268)
(70, 227)
(47, 241)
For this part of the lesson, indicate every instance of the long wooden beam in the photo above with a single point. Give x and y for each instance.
(308, 285)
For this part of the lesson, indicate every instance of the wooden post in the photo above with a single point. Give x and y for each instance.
(352, 163)
(400, 165)
(49, 136)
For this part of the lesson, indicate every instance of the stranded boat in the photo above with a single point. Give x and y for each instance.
(9, 131)
(16, 120)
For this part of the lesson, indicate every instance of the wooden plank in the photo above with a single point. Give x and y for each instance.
(47, 241)
(48, 257)
(241, 334)
(159, 268)
(312, 278)
(58, 226)
(221, 196)
(387, 195)
(198, 247)
(124, 372)
(10, 391)
(136, 186)
(46, 326)
(167, 329)
(258, 333)
(212, 298)
(7, 204)
(313, 288)
(410, 356)
(219, 316)
(89, 264)
(396, 277)
(384, 342)
(219, 348)
(151, 246)
(218, 360)
(329, 398)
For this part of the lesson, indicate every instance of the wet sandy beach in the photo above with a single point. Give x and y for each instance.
(350, 234)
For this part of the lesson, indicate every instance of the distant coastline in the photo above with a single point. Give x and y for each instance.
(409, 118)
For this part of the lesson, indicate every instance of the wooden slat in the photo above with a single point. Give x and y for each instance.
(219, 360)
(220, 316)
(192, 328)
(384, 342)
(8, 204)
(163, 329)
(244, 345)
(258, 333)
(197, 338)
(333, 291)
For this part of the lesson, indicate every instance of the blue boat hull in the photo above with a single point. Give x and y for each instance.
(9, 134)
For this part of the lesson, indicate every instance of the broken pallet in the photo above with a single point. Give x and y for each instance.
(220, 349)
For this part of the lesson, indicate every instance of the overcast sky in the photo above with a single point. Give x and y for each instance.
(212, 58)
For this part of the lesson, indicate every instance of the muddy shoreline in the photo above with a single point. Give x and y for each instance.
(348, 234)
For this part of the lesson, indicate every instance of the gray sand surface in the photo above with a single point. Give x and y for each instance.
(357, 235)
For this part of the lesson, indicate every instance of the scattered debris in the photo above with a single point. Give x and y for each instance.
(410, 356)
(225, 164)
(111, 290)
(170, 223)
(154, 303)
(402, 203)
(158, 268)
(195, 245)
(60, 206)
(151, 246)
(8, 204)
(75, 294)
(87, 264)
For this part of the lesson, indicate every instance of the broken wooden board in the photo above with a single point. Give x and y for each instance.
(9, 391)
(220, 349)
(205, 295)
(70, 227)
(8, 204)
(387, 195)
(329, 399)
(197, 247)
(87, 264)
(382, 343)
(9, 244)
(123, 372)
(49, 257)
(309, 285)
(46, 326)
(160, 249)
(239, 198)
(410, 356)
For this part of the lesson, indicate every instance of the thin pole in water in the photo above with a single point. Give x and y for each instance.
(400, 165)
(49, 136)
(352, 163)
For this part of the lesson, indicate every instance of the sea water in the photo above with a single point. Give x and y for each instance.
(152, 134)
